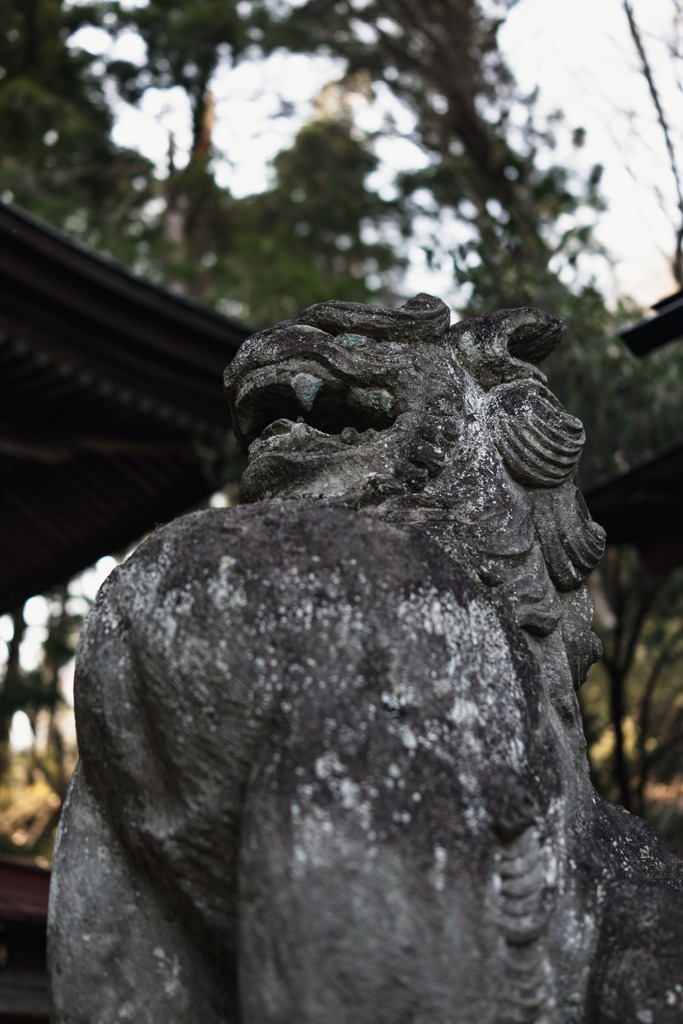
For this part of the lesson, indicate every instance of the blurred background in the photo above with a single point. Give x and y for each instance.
(243, 160)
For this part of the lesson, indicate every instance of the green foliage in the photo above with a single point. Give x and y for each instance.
(33, 783)
(38, 689)
(57, 158)
(441, 60)
(185, 41)
(266, 256)
(308, 230)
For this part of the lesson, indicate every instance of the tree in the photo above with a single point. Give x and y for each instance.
(633, 702)
(266, 256)
(649, 76)
(57, 159)
(491, 204)
(441, 60)
(33, 788)
(185, 44)
(310, 228)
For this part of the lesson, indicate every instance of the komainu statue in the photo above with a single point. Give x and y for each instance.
(332, 764)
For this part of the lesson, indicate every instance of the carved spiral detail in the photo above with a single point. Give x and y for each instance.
(538, 440)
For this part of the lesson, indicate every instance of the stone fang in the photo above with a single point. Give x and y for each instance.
(306, 388)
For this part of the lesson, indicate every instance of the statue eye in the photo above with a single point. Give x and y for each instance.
(359, 340)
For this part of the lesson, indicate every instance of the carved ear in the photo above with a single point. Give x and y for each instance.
(571, 542)
(499, 347)
(538, 439)
(531, 334)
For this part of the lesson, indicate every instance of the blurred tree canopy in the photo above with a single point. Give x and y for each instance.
(57, 159)
(519, 223)
(633, 700)
(489, 206)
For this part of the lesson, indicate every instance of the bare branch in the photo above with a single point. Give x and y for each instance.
(667, 655)
(649, 78)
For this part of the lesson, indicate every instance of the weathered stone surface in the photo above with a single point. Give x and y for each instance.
(332, 767)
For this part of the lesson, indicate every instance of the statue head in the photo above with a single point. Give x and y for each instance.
(396, 412)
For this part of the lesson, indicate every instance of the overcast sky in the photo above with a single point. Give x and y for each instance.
(580, 54)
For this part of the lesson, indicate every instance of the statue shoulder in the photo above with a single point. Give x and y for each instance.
(222, 564)
(218, 571)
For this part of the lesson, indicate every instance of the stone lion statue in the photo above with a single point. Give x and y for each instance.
(332, 764)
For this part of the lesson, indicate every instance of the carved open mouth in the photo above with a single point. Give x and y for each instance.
(296, 406)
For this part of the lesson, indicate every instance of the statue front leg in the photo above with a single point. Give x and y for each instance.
(119, 953)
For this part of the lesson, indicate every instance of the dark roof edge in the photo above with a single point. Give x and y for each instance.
(657, 330)
(669, 300)
(53, 244)
(634, 474)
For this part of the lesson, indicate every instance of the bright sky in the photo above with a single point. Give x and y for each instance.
(581, 56)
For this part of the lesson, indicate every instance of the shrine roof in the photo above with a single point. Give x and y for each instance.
(112, 417)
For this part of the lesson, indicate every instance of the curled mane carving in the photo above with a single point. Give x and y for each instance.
(540, 443)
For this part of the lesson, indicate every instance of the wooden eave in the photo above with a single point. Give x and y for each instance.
(644, 507)
(112, 417)
(666, 325)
